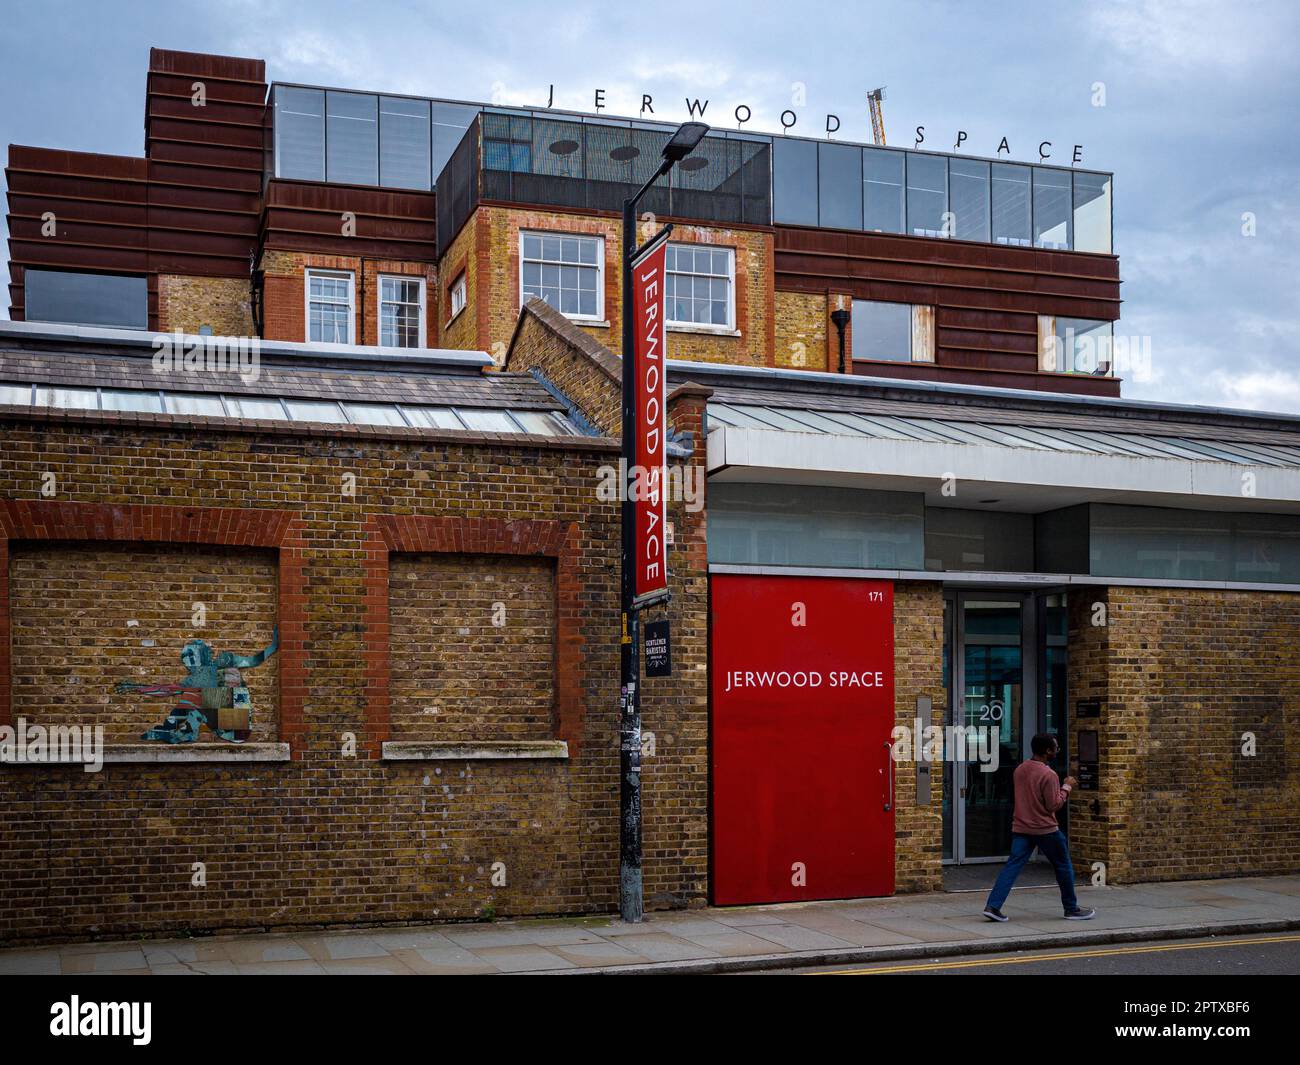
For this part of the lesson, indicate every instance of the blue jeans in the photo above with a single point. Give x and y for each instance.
(1054, 849)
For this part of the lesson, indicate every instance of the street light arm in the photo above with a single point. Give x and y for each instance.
(664, 167)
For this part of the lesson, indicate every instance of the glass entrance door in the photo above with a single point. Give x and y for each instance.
(999, 649)
(991, 699)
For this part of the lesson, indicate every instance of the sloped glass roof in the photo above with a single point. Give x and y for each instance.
(289, 408)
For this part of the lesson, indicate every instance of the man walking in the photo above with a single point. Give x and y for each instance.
(1039, 794)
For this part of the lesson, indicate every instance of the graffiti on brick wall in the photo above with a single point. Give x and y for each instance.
(213, 693)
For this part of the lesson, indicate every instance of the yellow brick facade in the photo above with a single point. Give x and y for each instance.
(487, 251)
(284, 281)
(918, 672)
(1198, 730)
(148, 600)
(801, 325)
(462, 257)
(222, 304)
(806, 337)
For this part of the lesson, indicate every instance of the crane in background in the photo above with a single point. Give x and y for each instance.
(874, 98)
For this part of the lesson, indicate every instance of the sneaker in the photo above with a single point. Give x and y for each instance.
(994, 914)
(1078, 914)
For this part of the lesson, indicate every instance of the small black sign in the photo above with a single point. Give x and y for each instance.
(1089, 760)
(1087, 708)
(658, 650)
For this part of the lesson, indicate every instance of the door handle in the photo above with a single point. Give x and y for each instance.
(889, 772)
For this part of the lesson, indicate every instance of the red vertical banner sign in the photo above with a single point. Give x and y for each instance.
(647, 481)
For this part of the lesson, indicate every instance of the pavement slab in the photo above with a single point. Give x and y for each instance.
(855, 933)
(280, 968)
(658, 946)
(450, 960)
(107, 961)
(796, 937)
(344, 947)
(522, 959)
(727, 939)
(563, 936)
(733, 944)
(411, 939)
(602, 952)
(29, 963)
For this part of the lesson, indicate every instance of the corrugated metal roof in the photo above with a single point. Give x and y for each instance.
(1282, 450)
(839, 392)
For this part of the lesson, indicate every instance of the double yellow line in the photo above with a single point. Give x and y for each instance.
(981, 963)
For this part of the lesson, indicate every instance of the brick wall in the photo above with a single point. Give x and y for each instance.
(918, 671)
(544, 340)
(1093, 813)
(497, 260)
(1185, 675)
(802, 322)
(754, 319)
(328, 838)
(189, 303)
(487, 248)
(674, 710)
(285, 301)
(587, 373)
(472, 647)
(462, 258)
(85, 616)
(806, 337)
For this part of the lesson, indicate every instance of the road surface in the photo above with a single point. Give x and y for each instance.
(1271, 954)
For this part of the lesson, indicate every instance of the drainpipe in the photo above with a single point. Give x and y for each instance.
(841, 319)
(361, 291)
(257, 297)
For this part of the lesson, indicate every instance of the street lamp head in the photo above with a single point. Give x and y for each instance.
(684, 141)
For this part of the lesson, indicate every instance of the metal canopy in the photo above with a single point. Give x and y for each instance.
(996, 434)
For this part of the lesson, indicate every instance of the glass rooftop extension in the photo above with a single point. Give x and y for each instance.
(288, 408)
(536, 158)
(568, 159)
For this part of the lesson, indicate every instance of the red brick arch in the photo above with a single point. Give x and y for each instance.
(46, 520)
(416, 534)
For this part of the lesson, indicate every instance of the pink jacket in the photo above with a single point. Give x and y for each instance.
(1039, 795)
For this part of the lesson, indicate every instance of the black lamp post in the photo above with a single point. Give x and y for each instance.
(630, 896)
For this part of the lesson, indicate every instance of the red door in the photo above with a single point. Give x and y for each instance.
(802, 711)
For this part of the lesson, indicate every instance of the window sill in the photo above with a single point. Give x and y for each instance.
(592, 322)
(705, 330)
(156, 752)
(483, 750)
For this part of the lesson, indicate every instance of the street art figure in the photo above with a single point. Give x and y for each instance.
(212, 694)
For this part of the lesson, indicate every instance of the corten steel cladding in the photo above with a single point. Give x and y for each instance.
(802, 717)
(650, 399)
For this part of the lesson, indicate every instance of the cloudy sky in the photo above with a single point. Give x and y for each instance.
(1200, 120)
